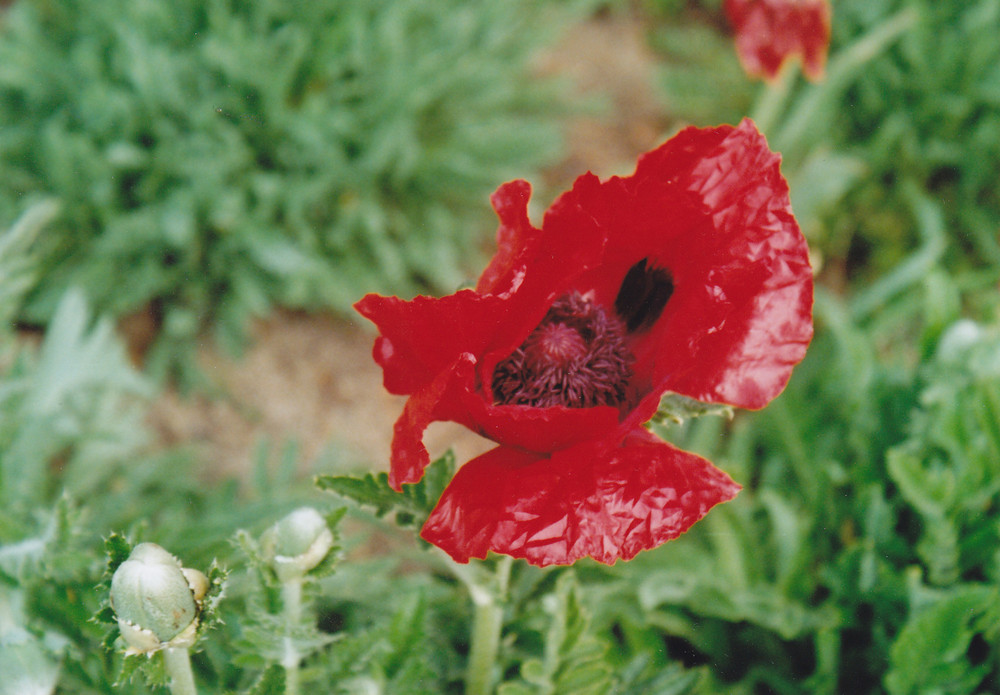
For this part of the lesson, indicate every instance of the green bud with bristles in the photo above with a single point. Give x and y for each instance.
(297, 543)
(156, 600)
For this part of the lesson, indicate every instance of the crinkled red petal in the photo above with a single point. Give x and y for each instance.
(712, 208)
(769, 32)
(422, 337)
(516, 237)
(587, 501)
(409, 456)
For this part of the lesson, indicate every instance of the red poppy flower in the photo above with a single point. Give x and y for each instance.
(768, 32)
(690, 276)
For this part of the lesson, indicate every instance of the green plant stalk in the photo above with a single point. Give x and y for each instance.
(178, 666)
(773, 97)
(291, 596)
(487, 622)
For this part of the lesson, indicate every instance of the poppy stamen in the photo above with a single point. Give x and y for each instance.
(576, 357)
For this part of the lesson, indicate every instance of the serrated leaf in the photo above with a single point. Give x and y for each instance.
(210, 617)
(251, 548)
(148, 668)
(369, 491)
(270, 639)
(334, 517)
(117, 548)
(18, 259)
(411, 507)
(106, 615)
(328, 565)
(671, 680)
(929, 488)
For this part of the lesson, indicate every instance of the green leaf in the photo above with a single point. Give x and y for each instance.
(27, 667)
(372, 490)
(930, 488)
(210, 617)
(411, 507)
(574, 658)
(930, 653)
(224, 159)
(117, 548)
(268, 639)
(74, 401)
(148, 669)
(271, 682)
(18, 258)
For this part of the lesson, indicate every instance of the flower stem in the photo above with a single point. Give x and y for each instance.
(487, 623)
(773, 98)
(178, 665)
(291, 596)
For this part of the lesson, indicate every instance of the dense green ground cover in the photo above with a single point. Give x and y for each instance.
(227, 156)
(861, 556)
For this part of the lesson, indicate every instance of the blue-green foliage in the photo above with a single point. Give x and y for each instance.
(216, 157)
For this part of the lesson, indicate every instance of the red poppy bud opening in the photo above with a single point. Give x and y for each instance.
(770, 32)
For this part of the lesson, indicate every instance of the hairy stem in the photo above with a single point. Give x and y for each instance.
(291, 595)
(486, 626)
(178, 665)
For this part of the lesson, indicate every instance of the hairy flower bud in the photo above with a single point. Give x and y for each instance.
(297, 543)
(156, 600)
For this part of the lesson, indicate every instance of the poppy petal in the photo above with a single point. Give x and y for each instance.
(422, 337)
(749, 321)
(515, 237)
(710, 212)
(584, 501)
(409, 456)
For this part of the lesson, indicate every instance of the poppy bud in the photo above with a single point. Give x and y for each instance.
(297, 543)
(156, 600)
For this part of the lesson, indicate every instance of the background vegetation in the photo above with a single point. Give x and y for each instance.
(212, 161)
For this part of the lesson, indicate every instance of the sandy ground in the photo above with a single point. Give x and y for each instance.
(310, 378)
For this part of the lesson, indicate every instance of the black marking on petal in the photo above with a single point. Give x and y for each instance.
(644, 293)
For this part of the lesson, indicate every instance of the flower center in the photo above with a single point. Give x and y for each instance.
(576, 357)
(553, 344)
